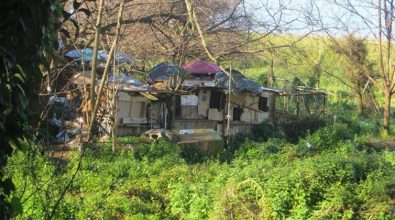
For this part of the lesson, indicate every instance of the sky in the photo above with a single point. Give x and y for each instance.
(321, 16)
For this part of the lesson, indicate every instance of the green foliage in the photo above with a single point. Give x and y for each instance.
(336, 177)
(266, 130)
(160, 149)
(325, 139)
(20, 77)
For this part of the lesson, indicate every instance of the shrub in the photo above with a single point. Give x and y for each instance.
(334, 178)
(324, 139)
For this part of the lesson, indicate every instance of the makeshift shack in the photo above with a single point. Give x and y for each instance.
(203, 104)
(165, 81)
(297, 103)
(130, 109)
(199, 96)
(297, 110)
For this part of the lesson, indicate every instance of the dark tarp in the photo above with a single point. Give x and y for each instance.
(239, 82)
(164, 71)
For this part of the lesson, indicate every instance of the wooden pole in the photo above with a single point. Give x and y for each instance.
(228, 116)
(297, 107)
(273, 107)
(115, 124)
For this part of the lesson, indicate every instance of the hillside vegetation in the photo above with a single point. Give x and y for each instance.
(337, 162)
(336, 172)
(314, 62)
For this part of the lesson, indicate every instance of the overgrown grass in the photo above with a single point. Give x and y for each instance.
(329, 174)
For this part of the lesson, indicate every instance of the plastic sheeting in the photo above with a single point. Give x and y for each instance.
(239, 82)
(87, 54)
(189, 100)
(124, 80)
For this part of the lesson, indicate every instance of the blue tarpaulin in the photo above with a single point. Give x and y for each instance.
(86, 55)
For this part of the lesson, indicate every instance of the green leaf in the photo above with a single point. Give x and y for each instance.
(20, 89)
(20, 146)
(57, 8)
(7, 111)
(20, 77)
(7, 186)
(16, 205)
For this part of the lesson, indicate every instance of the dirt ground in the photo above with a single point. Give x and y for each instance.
(61, 152)
(388, 144)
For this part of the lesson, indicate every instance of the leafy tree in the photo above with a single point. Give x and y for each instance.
(27, 35)
(380, 25)
(359, 67)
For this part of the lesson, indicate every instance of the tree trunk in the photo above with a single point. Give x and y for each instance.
(361, 104)
(94, 60)
(110, 55)
(115, 124)
(270, 80)
(387, 110)
(170, 105)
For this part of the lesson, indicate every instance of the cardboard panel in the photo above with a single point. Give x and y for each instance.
(189, 112)
(124, 108)
(262, 116)
(138, 109)
(129, 120)
(247, 115)
(204, 101)
(215, 115)
(124, 96)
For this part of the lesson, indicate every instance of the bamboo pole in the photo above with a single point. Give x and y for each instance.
(228, 116)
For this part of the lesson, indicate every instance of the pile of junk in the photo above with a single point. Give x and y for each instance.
(207, 141)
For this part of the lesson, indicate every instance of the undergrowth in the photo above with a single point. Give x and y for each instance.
(328, 174)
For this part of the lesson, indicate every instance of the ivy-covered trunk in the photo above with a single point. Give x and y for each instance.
(387, 110)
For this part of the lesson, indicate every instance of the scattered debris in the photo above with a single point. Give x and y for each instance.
(62, 137)
(55, 122)
(157, 134)
(55, 100)
(206, 140)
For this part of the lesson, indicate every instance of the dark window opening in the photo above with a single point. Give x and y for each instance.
(237, 111)
(177, 110)
(262, 104)
(148, 112)
(217, 100)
